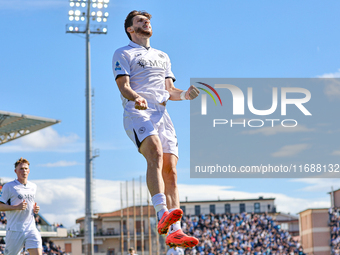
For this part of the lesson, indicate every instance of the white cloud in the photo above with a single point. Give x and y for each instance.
(336, 153)
(279, 129)
(60, 163)
(332, 88)
(290, 150)
(331, 75)
(46, 139)
(63, 200)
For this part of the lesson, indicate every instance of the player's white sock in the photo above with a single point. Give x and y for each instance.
(159, 203)
(176, 226)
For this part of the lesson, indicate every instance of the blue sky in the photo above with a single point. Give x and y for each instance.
(42, 73)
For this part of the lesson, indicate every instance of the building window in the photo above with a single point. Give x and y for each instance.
(268, 207)
(242, 208)
(284, 226)
(212, 209)
(257, 208)
(95, 248)
(197, 209)
(227, 208)
(183, 208)
(68, 247)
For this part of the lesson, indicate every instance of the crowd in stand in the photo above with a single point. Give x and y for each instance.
(244, 233)
(3, 220)
(49, 248)
(334, 219)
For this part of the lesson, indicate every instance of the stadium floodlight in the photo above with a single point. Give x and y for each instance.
(82, 11)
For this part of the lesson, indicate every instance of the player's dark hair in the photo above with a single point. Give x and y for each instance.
(21, 160)
(129, 18)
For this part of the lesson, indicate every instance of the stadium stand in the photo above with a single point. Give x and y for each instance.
(241, 233)
(334, 220)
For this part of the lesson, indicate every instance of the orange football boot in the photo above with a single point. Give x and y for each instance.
(168, 219)
(179, 239)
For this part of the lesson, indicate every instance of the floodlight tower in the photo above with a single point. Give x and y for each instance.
(82, 11)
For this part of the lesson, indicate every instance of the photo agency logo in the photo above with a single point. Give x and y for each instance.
(243, 101)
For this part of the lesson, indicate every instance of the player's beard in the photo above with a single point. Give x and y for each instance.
(143, 32)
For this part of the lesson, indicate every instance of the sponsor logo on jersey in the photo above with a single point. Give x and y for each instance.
(117, 66)
(141, 130)
(161, 55)
(138, 54)
(27, 197)
(159, 63)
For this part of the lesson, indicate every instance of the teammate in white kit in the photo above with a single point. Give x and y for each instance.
(145, 80)
(17, 198)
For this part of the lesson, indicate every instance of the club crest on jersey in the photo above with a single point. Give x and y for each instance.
(117, 66)
(20, 196)
(161, 55)
(141, 130)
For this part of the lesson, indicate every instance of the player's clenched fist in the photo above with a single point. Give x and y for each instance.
(36, 208)
(22, 205)
(141, 103)
(192, 93)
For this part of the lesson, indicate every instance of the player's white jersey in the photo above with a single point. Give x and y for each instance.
(147, 68)
(13, 193)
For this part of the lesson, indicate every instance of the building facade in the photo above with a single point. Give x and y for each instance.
(315, 232)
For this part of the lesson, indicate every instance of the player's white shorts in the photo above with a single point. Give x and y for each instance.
(155, 120)
(15, 241)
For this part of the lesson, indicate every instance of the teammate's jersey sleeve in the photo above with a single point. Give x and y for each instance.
(120, 63)
(4, 194)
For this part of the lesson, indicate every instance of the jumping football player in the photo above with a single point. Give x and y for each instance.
(145, 80)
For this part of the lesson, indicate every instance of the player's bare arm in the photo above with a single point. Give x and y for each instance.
(21, 206)
(175, 93)
(123, 83)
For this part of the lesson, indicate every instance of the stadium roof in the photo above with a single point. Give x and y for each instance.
(16, 125)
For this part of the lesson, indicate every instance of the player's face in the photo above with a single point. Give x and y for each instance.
(22, 170)
(141, 25)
